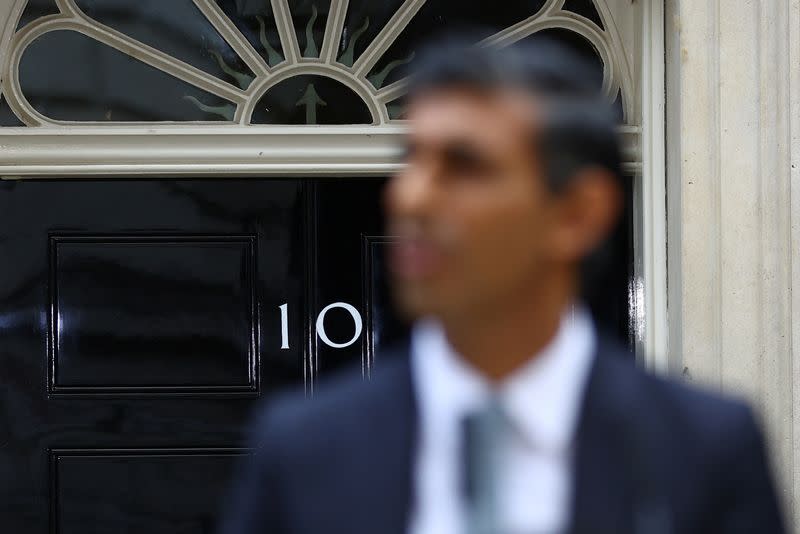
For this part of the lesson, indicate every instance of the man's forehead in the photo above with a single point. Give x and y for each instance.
(467, 112)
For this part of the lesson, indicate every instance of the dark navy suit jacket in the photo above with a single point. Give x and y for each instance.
(651, 457)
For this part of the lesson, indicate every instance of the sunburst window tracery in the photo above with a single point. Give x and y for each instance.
(261, 61)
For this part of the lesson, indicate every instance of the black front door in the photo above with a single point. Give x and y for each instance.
(139, 321)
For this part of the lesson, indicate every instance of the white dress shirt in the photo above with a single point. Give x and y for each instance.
(542, 400)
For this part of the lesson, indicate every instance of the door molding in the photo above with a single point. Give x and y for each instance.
(218, 151)
(650, 307)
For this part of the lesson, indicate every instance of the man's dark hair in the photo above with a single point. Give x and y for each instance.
(576, 128)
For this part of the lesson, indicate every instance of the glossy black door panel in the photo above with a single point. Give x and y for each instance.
(122, 305)
(111, 490)
(138, 323)
(385, 327)
(347, 269)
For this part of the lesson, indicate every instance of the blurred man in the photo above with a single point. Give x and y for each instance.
(508, 413)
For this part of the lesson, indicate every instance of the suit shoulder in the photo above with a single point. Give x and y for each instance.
(673, 403)
(703, 409)
(699, 414)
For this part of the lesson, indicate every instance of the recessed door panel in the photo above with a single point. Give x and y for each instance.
(122, 305)
(348, 212)
(99, 491)
(138, 324)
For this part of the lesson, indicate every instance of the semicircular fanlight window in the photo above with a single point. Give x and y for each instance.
(289, 61)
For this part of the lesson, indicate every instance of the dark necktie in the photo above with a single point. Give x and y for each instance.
(483, 431)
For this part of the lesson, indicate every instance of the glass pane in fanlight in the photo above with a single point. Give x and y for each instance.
(254, 19)
(364, 20)
(397, 108)
(309, 18)
(68, 76)
(309, 99)
(585, 8)
(619, 107)
(437, 16)
(36, 9)
(7, 116)
(175, 27)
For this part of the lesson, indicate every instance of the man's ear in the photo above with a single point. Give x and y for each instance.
(587, 210)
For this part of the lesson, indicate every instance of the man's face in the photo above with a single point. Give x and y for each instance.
(471, 209)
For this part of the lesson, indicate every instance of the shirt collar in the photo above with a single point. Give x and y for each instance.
(542, 398)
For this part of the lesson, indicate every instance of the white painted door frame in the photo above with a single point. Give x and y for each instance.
(651, 192)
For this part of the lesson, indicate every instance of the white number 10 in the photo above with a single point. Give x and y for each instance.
(359, 324)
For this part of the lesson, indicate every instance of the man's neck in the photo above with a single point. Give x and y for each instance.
(497, 342)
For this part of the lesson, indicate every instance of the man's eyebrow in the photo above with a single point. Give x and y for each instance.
(464, 150)
(455, 150)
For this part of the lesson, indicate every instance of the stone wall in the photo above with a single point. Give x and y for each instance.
(733, 120)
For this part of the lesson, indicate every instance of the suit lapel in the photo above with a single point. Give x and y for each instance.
(389, 446)
(602, 482)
